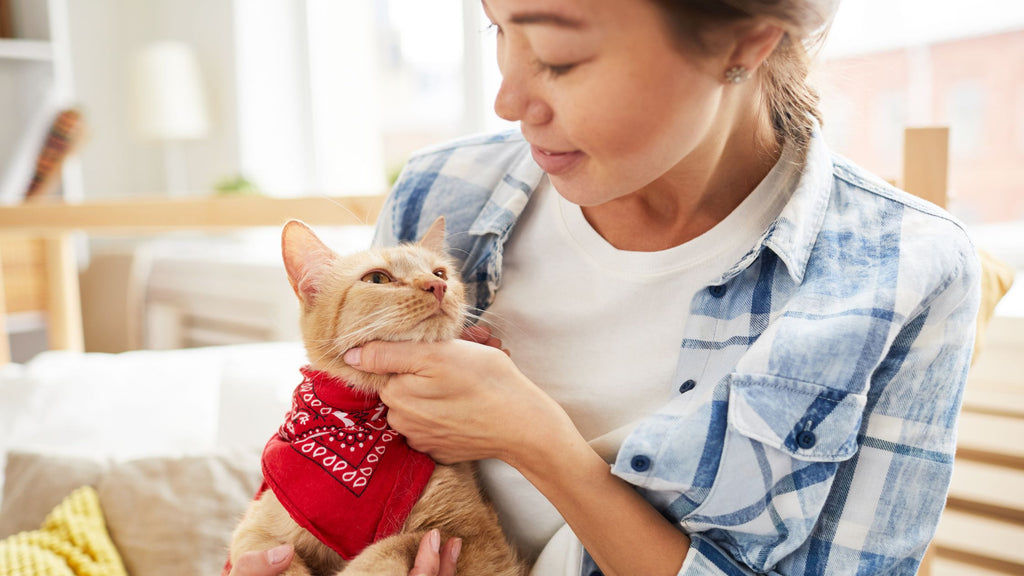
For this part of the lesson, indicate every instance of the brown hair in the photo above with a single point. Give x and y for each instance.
(792, 102)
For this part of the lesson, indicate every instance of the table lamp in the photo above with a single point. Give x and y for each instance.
(169, 104)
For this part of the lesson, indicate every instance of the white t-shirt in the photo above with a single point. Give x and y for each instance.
(599, 328)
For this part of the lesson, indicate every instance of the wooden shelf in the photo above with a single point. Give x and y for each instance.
(44, 218)
(26, 50)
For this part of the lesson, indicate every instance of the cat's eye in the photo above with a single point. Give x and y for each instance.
(377, 277)
(441, 273)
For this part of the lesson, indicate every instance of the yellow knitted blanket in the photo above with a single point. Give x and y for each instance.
(73, 541)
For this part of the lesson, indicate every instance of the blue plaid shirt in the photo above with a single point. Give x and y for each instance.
(835, 351)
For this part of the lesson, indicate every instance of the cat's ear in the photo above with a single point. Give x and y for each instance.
(306, 259)
(434, 238)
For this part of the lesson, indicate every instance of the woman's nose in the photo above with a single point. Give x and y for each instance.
(517, 105)
(517, 98)
(507, 104)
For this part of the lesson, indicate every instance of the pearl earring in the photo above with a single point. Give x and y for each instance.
(737, 74)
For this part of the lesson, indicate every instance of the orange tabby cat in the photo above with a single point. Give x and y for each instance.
(408, 292)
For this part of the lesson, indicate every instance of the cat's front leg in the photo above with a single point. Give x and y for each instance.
(392, 556)
(265, 525)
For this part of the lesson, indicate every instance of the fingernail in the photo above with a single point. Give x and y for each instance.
(435, 540)
(277, 555)
(456, 549)
(353, 356)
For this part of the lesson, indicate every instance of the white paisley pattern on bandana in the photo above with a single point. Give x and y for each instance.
(347, 443)
(337, 467)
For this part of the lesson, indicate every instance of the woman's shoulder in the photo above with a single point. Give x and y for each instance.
(479, 181)
(861, 179)
(472, 166)
(475, 143)
(864, 198)
(880, 224)
(463, 155)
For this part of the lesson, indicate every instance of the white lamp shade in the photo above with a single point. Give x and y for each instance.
(168, 98)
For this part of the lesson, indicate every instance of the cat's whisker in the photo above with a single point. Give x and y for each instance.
(499, 324)
(364, 220)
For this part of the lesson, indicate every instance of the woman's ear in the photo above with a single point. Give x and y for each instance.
(755, 41)
(306, 259)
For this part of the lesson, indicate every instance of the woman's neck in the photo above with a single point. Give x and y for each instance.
(695, 195)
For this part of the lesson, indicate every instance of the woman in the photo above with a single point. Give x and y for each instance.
(767, 344)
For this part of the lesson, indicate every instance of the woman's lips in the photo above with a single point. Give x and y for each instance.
(555, 162)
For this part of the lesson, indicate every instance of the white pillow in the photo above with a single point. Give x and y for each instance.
(120, 406)
(147, 403)
(256, 391)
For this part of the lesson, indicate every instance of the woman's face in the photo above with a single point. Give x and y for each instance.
(602, 93)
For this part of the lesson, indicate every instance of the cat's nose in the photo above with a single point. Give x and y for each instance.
(437, 287)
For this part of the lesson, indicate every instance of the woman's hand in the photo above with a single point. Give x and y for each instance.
(483, 335)
(431, 559)
(458, 400)
(263, 562)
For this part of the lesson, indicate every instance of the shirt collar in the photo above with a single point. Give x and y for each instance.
(791, 236)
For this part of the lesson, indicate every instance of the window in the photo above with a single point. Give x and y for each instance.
(892, 63)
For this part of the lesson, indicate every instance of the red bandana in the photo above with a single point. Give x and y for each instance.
(339, 469)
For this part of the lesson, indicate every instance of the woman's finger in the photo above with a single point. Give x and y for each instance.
(482, 335)
(428, 557)
(432, 559)
(383, 357)
(450, 556)
(270, 562)
(476, 333)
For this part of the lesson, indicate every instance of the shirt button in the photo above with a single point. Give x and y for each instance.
(640, 463)
(717, 291)
(806, 439)
(687, 386)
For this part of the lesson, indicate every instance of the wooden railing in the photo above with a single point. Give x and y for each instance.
(55, 222)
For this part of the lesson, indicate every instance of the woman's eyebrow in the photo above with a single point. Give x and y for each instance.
(548, 18)
(540, 17)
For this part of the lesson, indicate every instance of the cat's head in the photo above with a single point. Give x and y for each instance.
(407, 292)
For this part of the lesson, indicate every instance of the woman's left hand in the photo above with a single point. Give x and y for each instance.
(460, 400)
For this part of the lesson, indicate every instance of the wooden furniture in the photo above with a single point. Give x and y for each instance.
(926, 163)
(56, 221)
(982, 529)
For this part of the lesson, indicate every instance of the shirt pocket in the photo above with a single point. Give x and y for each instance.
(784, 441)
(805, 421)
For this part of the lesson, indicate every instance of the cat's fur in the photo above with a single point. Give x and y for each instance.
(343, 308)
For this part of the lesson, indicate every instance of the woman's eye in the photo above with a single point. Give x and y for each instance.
(377, 277)
(440, 273)
(556, 70)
